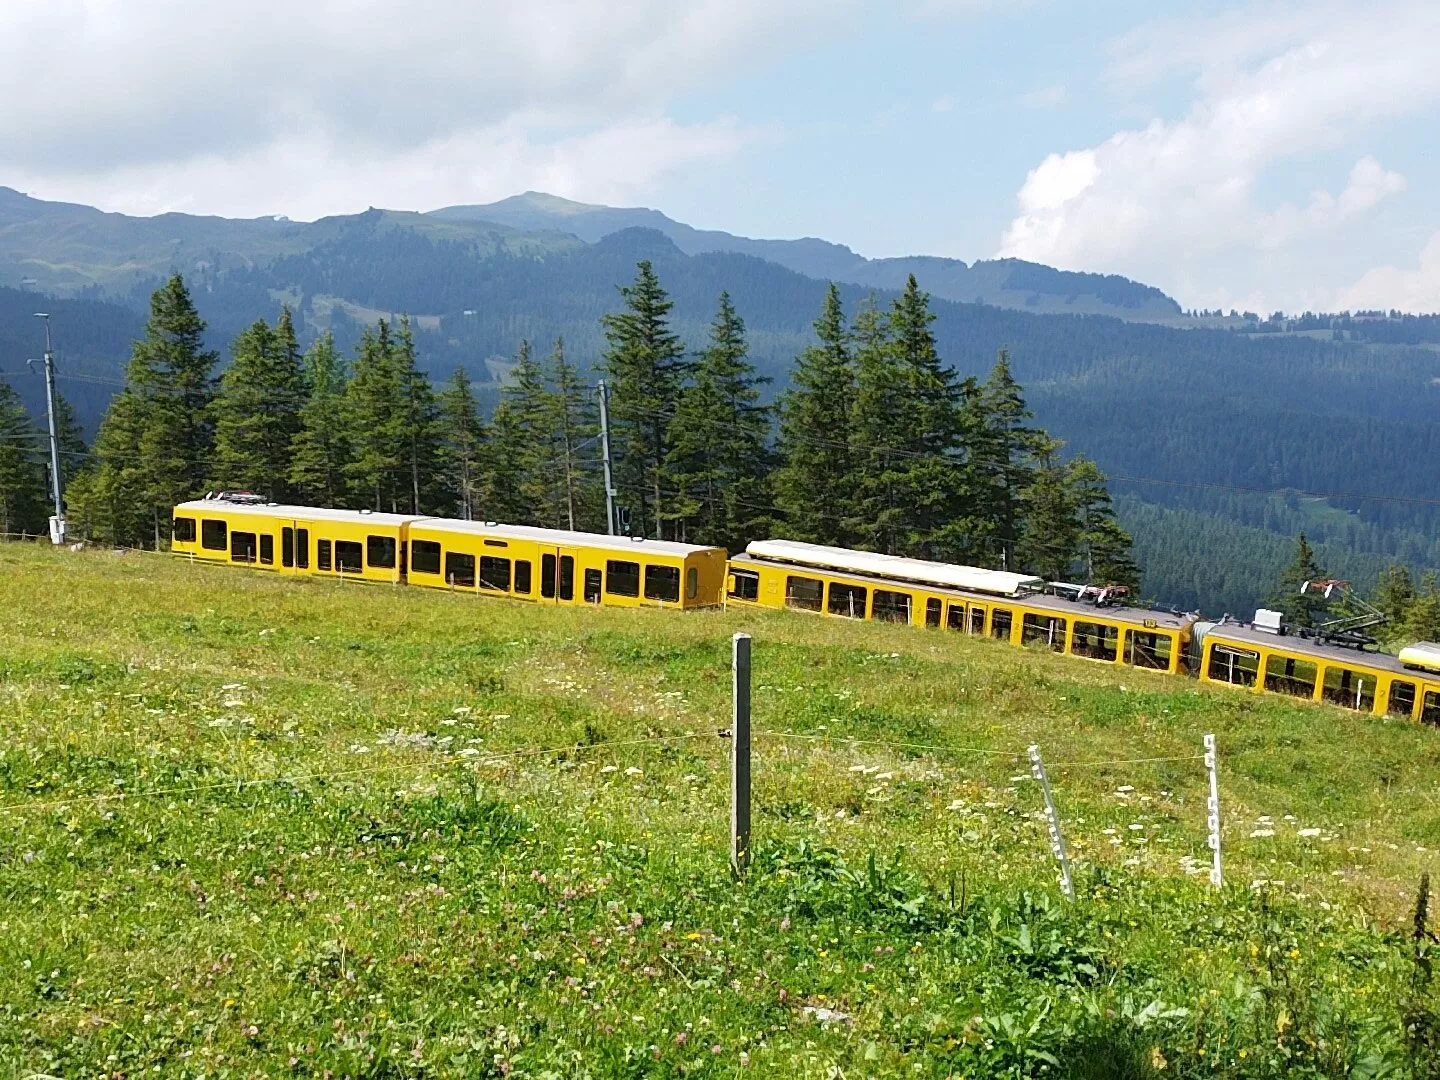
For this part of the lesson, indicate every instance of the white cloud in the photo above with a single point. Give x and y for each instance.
(1387, 287)
(238, 105)
(1176, 202)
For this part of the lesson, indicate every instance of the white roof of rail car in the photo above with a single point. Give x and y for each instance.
(302, 513)
(951, 575)
(561, 537)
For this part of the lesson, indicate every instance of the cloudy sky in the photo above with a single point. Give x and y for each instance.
(1256, 155)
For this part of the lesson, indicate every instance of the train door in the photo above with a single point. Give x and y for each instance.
(550, 574)
(294, 548)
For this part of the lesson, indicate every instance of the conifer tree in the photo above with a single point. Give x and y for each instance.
(503, 479)
(1050, 532)
(375, 415)
(462, 444)
(1422, 618)
(1000, 450)
(258, 410)
(320, 450)
(1104, 546)
(1394, 594)
(719, 457)
(22, 477)
(574, 424)
(1299, 609)
(813, 482)
(878, 423)
(646, 365)
(530, 421)
(420, 430)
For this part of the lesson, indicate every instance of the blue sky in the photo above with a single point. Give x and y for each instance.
(1255, 155)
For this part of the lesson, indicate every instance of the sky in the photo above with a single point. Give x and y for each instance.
(1259, 156)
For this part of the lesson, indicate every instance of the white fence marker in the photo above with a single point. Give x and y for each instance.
(1217, 877)
(1057, 838)
(740, 757)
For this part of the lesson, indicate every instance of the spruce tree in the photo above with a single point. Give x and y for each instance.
(1299, 609)
(646, 366)
(420, 434)
(1104, 546)
(530, 423)
(879, 431)
(22, 477)
(258, 410)
(389, 423)
(813, 481)
(320, 449)
(503, 479)
(719, 458)
(1000, 449)
(1050, 529)
(1422, 618)
(575, 424)
(462, 444)
(1394, 594)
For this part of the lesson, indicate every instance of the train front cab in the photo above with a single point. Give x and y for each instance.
(1097, 634)
(1361, 682)
(350, 544)
(561, 567)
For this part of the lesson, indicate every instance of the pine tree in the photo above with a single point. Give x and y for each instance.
(877, 425)
(320, 450)
(1394, 594)
(812, 483)
(1422, 619)
(420, 434)
(530, 420)
(462, 444)
(258, 410)
(380, 415)
(646, 366)
(575, 424)
(719, 457)
(1299, 609)
(1050, 529)
(1104, 546)
(1000, 449)
(503, 476)
(22, 477)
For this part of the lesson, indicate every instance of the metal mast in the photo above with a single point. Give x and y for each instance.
(57, 523)
(610, 492)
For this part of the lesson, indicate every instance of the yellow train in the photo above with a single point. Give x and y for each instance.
(560, 567)
(549, 566)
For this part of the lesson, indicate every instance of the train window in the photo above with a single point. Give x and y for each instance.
(1286, 675)
(662, 583)
(622, 578)
(692, 582)
(302, 549)
(267, 549)
(1430, 714)
(347, 557)
(1096, 641)
(1149, 650)
(932, 612)
(955, 617)
(287, 546)
(425, 556)
(460, 569)
(242, 547)
(890, 606)
(547, 576)
(1000, 620)
(1402, 698)
(380, 552)
(322, 554)
(496, 543)
(744, 585)
(847, 600)
(804, 592)
(522, 576)
(977, 621)
(592, 585)
(1045, 630)
(1231, 665)
(214, 535)
(494, 573)
(1352, 689)
(183, 530)
(567, 577)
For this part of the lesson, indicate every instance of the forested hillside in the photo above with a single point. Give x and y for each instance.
(1210, 422)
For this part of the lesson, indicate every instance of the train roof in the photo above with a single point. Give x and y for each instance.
(1246, 634)
(559, 537)
(301, 513)
(1070, 609)
(948, 575)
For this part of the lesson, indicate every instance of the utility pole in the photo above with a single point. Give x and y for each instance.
(57, 523)
(610, 491)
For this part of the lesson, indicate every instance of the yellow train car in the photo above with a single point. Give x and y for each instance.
(239, 531)
(1240, 654)
(1004, 606)
(554, 566)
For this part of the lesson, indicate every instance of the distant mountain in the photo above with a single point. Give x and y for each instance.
(1000, 282)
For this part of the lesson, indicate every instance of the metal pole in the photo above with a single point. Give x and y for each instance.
(1217, 876)
(57, 523)
(1052, 819)
(740, 758)
(610, 492)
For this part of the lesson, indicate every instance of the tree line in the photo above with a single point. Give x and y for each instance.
(876, 443)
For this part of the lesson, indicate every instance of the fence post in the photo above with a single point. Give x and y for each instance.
(740, 758)
(1052, 818)
(1212, 805)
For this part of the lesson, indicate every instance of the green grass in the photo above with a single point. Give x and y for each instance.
(405, 893)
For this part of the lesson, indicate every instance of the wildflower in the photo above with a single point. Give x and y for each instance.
(1157, 1059)
(1308, 832)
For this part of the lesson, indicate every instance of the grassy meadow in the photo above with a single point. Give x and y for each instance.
(341, 854)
